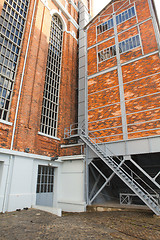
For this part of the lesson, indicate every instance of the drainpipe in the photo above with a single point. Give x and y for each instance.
(20, 89)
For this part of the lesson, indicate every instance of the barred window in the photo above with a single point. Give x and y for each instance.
(124, 16)
(49, 116)
(129, 44)
(124, 46)
(105, 26)
(12, 25)
(107, 53)
(45, 179)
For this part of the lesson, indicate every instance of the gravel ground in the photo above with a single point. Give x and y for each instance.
(35, 224)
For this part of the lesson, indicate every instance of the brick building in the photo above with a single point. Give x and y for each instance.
(122, 111)
(116, 92)
(38, 99)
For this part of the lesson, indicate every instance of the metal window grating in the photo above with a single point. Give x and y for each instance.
(49, 116)
(45, 179)
(126, 15)
(105, 26)
(107, 53)
(129, 44)
(12, 25)
(124, 46)
(120, 18)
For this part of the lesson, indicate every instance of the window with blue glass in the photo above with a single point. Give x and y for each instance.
(129, 44)
(105, 26)
(126, 15)
(12, 24)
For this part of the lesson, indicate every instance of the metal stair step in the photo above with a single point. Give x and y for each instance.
(126, 178)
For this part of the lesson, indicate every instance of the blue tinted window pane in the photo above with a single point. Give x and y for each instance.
(123, 16)
(127, 45)
(134, 41)
(130, 44)
(129, 13)
(112, 22)
(126, 14)
(133, 11)
(123, 47)
(138, 40)
(117, 19)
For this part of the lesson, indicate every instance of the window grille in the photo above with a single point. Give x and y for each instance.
(105, 26)
(107, 53)
(124, 46)
(129, 44)
(124, 16)
(45, 179)
(12, 25)
(49, 116)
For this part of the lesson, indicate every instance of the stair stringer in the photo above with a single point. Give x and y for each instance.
(124, 176)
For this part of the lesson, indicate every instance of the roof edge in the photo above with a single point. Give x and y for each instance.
(98, 14)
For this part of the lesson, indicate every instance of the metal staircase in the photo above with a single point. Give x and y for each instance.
(140, 187)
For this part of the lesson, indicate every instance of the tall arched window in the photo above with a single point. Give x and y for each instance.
(49, 116)
(12, 25)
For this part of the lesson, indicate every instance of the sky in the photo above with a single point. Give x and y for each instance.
(98, 5)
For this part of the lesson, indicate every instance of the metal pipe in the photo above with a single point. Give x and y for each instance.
(24, 66)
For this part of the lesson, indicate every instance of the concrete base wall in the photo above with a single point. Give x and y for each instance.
(18, 181)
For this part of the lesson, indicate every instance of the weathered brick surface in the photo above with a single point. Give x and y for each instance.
(142, 9)
(141, 68)
(127, 34)
(105, 112)
(91, 36)
(107, 64)
(103, 81)
(104, 35)
(29, 114)
(141, 80)
(99, 99)
(106, 44)
(143, 116)
(92, 61)
(148, 37)
(134, 53)
(127, 24)
(144, 86)
(120, 5)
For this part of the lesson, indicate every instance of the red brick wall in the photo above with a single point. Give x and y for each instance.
(141, 78)
(29, 114)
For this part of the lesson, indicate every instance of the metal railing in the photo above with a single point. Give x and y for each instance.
(79, 129)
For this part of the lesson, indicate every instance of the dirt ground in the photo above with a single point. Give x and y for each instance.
(35, 224)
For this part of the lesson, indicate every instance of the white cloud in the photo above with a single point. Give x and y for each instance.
(98, 5)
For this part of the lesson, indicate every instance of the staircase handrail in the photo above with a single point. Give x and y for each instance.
(132, 172)
(95, 140)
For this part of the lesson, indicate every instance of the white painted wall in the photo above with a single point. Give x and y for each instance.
(71, 188)
(18, 180)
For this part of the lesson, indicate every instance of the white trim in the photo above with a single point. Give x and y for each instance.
(6, 122)
(65, 12)
(55, 12)
(45, 135)
(73, 157)
(72, 34)
(72, 145)
(23, 154)
(45, 2)
(74, 5)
